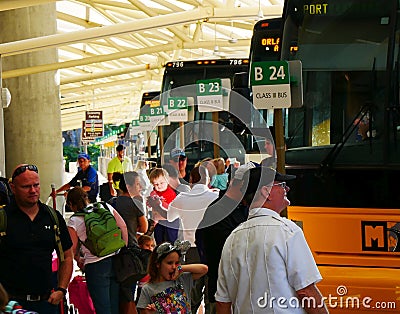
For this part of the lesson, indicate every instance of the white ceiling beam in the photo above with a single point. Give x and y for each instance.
(132, 36)
(57, 40)
(67, 90)
(70, 101)
(91, 87)
(174, 29)
(118, 55)
(87, 105)
(111, 111)
(17, 4)
(129, 11)
(77, 21)
(80, 62)
(194, 3)
(214, 3)
(169, 5)
(114, 72)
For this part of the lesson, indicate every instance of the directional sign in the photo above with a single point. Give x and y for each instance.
(150, 111)
(135, 127)
(144, 122)
(209, 95)
(175, 103)
(178, 109)
(135, 123)
(158, 117)
(270, 82)
(157, 111)
(85, 138)
(94, 124)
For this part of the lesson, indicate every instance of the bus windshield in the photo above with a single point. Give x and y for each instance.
(346, 48)
(180, 80)
(186, 73)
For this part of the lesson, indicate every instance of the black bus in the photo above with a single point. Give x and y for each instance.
(245, 125)
(200, 134)
(343, 145)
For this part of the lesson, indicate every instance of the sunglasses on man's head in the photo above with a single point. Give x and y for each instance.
(22, 169)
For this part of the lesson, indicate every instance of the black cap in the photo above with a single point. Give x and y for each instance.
(120, 147)
(258, 177)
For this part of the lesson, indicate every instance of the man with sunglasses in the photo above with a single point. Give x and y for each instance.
(266, 265)
(179, 160)
(27, 246)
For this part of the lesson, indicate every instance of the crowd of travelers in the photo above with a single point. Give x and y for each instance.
(214, 236)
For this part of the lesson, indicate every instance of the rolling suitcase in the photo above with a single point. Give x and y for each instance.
(79, 296)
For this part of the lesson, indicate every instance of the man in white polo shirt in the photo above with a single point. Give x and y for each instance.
(191, 206)
(266, 265)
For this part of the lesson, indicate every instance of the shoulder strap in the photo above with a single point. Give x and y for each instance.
(79, 214)
(85, 210)
(57, 233)
(3, 221)
(105, 205)
(112, 201)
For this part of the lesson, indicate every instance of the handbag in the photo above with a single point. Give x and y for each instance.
(130, 264)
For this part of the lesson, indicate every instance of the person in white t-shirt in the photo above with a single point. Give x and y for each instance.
(99, 272)
(190, 208)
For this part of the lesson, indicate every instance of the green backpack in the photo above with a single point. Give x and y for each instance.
(103, 235)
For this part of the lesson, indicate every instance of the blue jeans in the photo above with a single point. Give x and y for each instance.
(103, 288)
(166, 231)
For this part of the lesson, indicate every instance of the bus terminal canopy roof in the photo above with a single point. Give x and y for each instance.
(110, 52)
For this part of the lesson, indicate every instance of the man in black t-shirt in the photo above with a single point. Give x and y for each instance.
(26, 248)
(219, 220)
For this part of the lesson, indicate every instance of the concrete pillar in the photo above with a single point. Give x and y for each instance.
(32, 122)
(2, 143)
(2, 154)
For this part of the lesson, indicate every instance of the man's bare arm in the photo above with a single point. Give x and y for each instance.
(110, 184)
(224, 307)
(315, 303)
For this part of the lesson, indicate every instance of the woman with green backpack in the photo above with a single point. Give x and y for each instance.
(100, 278)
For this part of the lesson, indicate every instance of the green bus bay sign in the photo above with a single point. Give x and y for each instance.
(178, 109)
(209, 95)
(270, 84)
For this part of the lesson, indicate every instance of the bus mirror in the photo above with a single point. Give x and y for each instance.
(190, 101)
(296, 84)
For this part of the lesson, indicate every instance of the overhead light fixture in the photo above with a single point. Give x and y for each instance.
(260, 14)
(232, 40)
(216, 48)
(5, 97)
